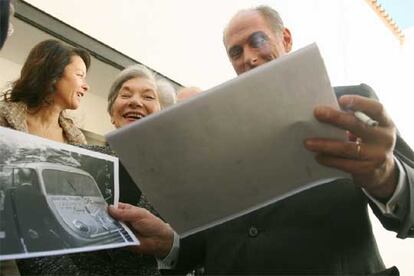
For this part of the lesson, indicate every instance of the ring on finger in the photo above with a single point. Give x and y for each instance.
(358, 148)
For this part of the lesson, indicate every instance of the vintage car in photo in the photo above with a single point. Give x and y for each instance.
(48, 206)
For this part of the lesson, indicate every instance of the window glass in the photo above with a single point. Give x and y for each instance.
(69, 183)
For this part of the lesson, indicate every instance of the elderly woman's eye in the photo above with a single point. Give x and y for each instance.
(149, 97)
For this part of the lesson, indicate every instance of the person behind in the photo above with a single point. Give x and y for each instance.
(7, 267)
(323, 230)
(53, 79)
(6, 10)
(187, 92)
(166, 93)
(132, 96)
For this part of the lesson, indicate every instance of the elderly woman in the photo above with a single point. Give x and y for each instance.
(52, 79)
(133, 95)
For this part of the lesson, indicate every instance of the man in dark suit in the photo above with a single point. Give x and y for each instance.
(323, 230)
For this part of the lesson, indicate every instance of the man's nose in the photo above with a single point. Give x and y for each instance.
(251, 58)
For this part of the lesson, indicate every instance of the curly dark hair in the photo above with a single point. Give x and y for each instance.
(44, 66)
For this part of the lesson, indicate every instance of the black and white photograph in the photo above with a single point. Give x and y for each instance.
(53, 198)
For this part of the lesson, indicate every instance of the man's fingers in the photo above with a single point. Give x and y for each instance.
(354, 167)
(349, 150)
(128, 213)
(344, 120)
(122, 205)
(346, 150)
(372, 108)
(348, 121)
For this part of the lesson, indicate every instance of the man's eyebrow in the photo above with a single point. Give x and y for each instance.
(229, 48)
(254, 34)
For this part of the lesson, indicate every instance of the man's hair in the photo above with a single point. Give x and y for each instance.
(270, 15)
(131, 72)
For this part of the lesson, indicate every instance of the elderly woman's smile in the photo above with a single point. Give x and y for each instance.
(131, 115)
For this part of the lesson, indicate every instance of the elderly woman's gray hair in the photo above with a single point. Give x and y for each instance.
(166, 93)
(131, 72)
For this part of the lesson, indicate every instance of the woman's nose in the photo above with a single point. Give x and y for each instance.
(85, 87)
(135, 101)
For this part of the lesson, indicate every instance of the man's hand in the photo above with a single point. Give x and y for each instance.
(156, 237)
(369, 158)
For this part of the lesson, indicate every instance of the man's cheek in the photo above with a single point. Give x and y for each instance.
(267, 53)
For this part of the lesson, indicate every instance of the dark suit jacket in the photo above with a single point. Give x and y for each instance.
(324, 230)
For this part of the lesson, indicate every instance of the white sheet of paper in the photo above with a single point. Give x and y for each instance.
(235, 148)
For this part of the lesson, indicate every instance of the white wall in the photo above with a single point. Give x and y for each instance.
(183, 40)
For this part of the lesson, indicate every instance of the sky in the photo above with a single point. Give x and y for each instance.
(401, 11)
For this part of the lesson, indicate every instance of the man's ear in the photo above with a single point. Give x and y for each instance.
(287, 40)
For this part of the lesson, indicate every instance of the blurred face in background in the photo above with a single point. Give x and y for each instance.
(72, 86)
(251, 42)
(136, 99)
(187, 92)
